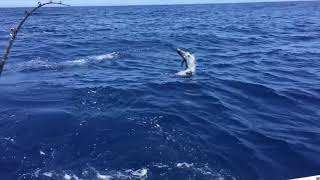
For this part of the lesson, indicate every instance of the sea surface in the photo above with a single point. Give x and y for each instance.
(91, 93)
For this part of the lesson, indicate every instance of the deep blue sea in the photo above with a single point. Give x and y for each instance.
(91, 93)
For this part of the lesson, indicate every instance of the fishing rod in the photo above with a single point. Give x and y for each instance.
(14, 31)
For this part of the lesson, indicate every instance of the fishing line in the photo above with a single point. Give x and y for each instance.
(14, 31)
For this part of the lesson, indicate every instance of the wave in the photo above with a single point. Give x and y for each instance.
(40, 64)
(167, 170)
(93, 59)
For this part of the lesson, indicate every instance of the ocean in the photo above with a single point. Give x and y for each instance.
(91, 93)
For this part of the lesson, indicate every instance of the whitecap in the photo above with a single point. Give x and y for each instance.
(184, 165)
(67, 177)
(140, 173)
(47, 174)
(76, 177)
(37, 172)
(160, 165)
(8, 139)
(104, 177)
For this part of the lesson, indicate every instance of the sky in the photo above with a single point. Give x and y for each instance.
(27, 3)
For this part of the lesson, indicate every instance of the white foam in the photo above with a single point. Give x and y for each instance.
(93, 59)
(160, 165)
(140, 173)
(78, 62)
(184, 165)
(104, 177)
(47, 174)
(42, 153)
(185, 73)
(120, 175)
(36, 173)
(105, 56)
(36, 64)
(67, 177)
(76, 177)
(85, 173)
(8, 139)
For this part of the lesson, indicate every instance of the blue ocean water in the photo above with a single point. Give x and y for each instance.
(91, 93)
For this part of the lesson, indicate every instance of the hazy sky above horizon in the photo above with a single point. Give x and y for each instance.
(19, 3)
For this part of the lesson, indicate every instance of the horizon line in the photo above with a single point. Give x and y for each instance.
(169, 4)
